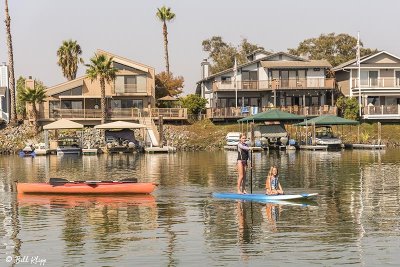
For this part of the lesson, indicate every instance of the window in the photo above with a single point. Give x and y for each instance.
(73, 91)
(131, 84)
(127, 103)
(71, 104)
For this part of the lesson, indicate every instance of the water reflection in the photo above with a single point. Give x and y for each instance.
(354, 220)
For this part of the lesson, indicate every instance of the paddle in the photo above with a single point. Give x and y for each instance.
(58, 181)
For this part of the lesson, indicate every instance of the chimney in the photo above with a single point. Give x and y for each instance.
(205, 69)
(30, 82)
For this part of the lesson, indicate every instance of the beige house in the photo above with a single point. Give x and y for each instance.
(375, 83)
(130, 97)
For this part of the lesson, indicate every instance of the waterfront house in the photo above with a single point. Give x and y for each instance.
(378, 84)
(4, 93)
(130, 97)
(268, 80)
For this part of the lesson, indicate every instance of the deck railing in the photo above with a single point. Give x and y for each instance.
(236, 113)
(382, 110)
(376, 83)
(118, 113)
(275, 84)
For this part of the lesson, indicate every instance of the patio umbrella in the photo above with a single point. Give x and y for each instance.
(328, 120)
(273, 115)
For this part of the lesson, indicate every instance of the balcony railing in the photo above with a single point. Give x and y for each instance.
(118, 113)
(236, 113)
(382, 110)
(130, 89)
(281, 84)
(376, 83)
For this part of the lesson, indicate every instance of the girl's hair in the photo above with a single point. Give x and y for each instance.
(242, 135)
(270, 170)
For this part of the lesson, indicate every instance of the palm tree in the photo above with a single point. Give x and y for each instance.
(101, 68)
(34, 96)
(165, 15)
(68, 58)
(13, 109)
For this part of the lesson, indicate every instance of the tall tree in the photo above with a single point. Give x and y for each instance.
(68, 58)
(13, 109)
(337, 49)
(165, 15)
(101, 68)
(223, 54)
(21, 106)
(34, 96)
(166, 84)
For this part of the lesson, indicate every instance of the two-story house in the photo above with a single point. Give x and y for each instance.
(268, 80)
(4, 93)
(129, 97)
(376, 80)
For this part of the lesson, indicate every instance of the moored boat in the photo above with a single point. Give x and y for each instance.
(62, 186)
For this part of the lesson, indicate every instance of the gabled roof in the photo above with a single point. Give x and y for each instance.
(296, 64)
(328, 120)
(63, 124)
(65, 86)
(352, 63)
(59, 88)
(125, 61)
(322, 63)
(272, 115)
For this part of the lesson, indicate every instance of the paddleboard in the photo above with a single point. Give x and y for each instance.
(263, 197)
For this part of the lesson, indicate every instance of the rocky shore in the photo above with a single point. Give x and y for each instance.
(202, 135)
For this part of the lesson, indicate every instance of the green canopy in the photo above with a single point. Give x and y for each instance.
(273, 115)
(327, 120)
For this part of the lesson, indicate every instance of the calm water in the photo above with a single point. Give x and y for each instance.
(355, 220)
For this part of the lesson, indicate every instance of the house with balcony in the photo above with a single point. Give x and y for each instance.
(4, 94)
(375, 83)
(130, 97)
(268, 80)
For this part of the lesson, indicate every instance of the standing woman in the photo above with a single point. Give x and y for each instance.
(243, 156)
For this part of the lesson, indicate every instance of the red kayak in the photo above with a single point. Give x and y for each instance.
(62, 186)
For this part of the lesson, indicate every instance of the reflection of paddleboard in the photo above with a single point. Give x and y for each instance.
(70, 201)
(263, 197)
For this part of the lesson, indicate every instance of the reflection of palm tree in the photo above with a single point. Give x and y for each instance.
(272, 212)
(73, 232)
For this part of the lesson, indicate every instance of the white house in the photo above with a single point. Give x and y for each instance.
(4, 93)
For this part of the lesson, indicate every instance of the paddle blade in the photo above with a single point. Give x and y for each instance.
(58, 181)
(128, 180)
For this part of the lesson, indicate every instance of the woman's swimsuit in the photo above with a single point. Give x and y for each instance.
(243, 153)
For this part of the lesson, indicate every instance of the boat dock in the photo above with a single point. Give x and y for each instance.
(90, 151)
(164, 149)
(317, 147)
(366, 146)
(233, 148)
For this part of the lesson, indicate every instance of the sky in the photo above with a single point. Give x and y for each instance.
(130, 29)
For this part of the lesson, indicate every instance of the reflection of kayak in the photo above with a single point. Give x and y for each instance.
(263, 197)
(81, 200)
(62, 186)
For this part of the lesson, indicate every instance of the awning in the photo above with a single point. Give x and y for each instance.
(63, 124)
(120, 125)
(328, 120)
(273, 115)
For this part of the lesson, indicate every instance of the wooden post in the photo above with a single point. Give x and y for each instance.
(379, 133)
(358, 133)
(251, 156)
(160, 124)
(313, 139)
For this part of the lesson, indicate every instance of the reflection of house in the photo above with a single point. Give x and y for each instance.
(4, 93)
(129, 97)
(280, 80)
(379, 84)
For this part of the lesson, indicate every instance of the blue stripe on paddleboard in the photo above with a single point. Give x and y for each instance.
(262, 196)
